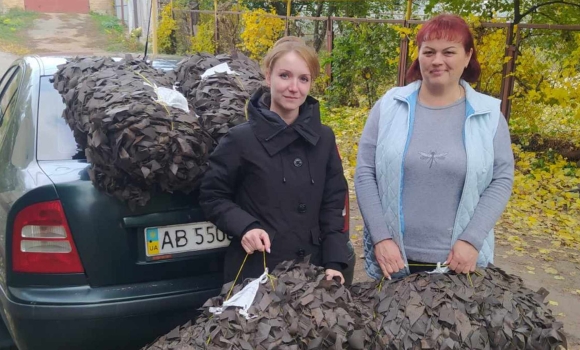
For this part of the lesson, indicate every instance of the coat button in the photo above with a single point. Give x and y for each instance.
(301, 253)
(298, 162)
(302, 208)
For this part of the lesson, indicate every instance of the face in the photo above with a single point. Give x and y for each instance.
(289, 81)
(442, 62)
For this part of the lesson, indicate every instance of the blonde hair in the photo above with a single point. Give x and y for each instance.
(292, 44)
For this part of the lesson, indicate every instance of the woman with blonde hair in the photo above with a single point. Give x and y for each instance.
(276, 183)
(435, 167)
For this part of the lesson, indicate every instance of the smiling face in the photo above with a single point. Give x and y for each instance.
(442, 62)
(289, 80)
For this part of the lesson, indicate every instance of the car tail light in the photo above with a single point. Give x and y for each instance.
(42, 241)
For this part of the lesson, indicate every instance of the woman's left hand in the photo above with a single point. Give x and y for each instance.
(330, 274)
(463, 257)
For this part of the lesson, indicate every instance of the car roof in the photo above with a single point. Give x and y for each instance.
(49, 64)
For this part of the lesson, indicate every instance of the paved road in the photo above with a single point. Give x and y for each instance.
(5, 61)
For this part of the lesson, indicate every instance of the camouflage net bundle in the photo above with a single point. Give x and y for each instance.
(135, 143)
(303, 312)
(68, 82)
(219, 100)
(491, 310)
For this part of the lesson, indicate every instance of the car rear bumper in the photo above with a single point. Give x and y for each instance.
(120, 323)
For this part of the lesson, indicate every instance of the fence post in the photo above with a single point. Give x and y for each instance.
(123, 13)
(288, 11)
(403, 55)
(404, 46)
(216, 34)
(329, 45)
(155, 14)
(507, 86)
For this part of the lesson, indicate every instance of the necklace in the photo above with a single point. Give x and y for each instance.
(461, 94)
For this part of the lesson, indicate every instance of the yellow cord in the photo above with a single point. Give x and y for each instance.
(238, 275)
(270, 277)
(236, 279)
(153, 86)
(380, 287)
(240, 83)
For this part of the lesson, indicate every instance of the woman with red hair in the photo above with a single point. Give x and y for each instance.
(435, 166)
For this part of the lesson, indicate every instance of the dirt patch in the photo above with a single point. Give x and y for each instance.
(65, 33)
(536, 273)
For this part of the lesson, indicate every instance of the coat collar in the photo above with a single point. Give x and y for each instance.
(273, 132)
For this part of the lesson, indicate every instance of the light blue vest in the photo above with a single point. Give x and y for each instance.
(395, 129)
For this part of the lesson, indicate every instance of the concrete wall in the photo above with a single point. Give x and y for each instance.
(8, 4)
(102, 6)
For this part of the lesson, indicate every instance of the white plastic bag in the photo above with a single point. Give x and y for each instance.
(244, 298)
(439, 269)
(220, 68)
(170, 97)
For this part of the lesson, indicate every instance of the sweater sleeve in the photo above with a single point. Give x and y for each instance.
(495, 197)
(218, 189)
(367, 190)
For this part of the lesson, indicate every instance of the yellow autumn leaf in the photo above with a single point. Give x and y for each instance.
(553, 303)
(559, 277)
(551, 271)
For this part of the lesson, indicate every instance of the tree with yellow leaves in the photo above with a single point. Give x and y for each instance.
(260, 32)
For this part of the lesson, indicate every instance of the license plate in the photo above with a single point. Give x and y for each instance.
(168, 240)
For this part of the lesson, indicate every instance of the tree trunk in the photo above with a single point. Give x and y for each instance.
(318, 36)
(517, 12)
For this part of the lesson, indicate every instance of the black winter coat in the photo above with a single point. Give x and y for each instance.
(285, 179)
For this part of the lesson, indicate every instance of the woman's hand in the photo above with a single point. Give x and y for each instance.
(463, 257)
(330, 274)
(256, 239)
(389, 257)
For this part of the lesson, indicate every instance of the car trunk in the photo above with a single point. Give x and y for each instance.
(110, 237)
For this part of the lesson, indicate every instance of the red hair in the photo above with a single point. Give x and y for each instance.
(452, 28)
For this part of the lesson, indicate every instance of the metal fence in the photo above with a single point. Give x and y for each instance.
(512, 41)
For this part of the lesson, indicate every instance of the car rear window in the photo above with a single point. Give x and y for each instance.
(55, 138)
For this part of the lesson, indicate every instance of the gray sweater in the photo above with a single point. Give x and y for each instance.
(435, 169)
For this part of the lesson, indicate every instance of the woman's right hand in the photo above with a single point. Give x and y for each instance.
(389, 257)
(256, 239)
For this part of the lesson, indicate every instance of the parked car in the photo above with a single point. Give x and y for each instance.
(78, 268)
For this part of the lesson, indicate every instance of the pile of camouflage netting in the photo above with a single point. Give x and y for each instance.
(304, 311)
(491, 310)
(487, 310)
(219, 100)
(139, 142)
